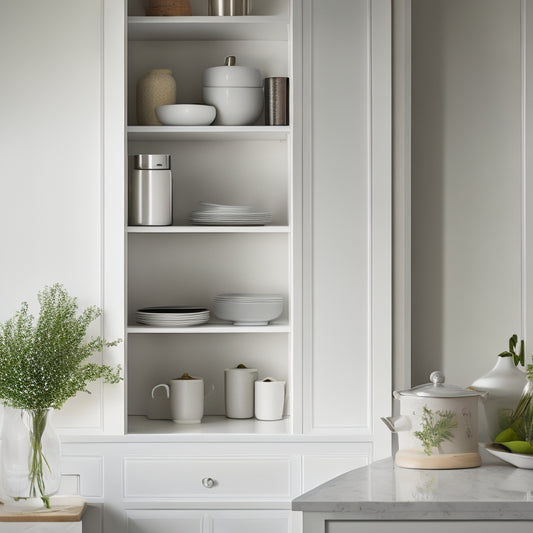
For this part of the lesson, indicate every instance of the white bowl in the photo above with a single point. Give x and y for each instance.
(236, 106)
(186, 114)
(248, 313)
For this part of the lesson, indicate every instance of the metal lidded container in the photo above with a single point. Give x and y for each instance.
(221, 8)
(150, 191)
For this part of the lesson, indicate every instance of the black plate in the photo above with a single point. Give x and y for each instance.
(172, 309)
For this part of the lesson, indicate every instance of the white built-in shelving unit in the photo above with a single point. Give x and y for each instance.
(184, 264)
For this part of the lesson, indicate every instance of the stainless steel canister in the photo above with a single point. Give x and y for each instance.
(150, 191)
(277, 101)
(221, 8)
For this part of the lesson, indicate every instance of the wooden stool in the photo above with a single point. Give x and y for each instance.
(64, 516)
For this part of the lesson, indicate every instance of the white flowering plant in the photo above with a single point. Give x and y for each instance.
(44, 363)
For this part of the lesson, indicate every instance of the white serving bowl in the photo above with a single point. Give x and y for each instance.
(186, 114)
(248, 313)
(236, 106)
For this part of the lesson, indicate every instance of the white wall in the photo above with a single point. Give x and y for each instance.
(466, 185)
(51, 153)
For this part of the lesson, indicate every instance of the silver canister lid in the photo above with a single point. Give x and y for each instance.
(436, 388)
(151, 161)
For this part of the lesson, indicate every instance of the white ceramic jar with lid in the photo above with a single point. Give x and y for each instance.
(269, 399)
(239, 391)
(236, 91)
(437, 427)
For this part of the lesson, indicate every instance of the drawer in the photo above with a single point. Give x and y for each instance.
(209, 478)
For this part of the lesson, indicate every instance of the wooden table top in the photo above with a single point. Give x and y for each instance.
(63, 509)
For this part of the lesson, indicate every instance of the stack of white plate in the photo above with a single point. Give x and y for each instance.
(176, 316)
(209, 214)
(248, 309)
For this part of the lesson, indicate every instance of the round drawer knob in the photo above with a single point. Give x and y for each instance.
(208, 482)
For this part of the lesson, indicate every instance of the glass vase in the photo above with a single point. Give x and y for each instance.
(522, 418)
(31, 454)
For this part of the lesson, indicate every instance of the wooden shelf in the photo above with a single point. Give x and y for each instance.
(225, 327)
(207, 133)
(214, 425)
(208, 229)
(258, 28)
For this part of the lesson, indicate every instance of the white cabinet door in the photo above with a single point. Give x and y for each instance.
(250, 521)
(165, 522)
(347, 180)
(206, 521)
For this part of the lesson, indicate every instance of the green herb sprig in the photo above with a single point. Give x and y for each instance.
(436, 428)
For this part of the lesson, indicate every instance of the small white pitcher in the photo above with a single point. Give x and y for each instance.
(186, 395)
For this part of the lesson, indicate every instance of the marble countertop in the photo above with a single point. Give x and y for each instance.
(381, 491)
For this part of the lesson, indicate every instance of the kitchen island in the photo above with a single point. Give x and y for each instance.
(381, 498)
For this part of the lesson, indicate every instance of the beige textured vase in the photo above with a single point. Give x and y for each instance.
(156, 87)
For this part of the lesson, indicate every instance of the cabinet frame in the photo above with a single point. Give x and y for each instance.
(118, 133)
(115, 241)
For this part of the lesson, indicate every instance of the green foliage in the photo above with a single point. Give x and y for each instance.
(518, 358)
(42, 365)
(436, 428)
(522, 418)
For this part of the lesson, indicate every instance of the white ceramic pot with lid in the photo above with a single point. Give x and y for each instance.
(437, 427)
(236, 91)
(239, 391)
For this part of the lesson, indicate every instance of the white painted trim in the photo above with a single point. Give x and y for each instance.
(381, 317)
(401, 186)
(370, 203)
(523, 167)
(114, 157)
(526, 44)
(307, 215)
(295, 172)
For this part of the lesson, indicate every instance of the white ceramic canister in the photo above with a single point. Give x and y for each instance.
(437, 426)
(157, 87)
(239, 391)
(504, 385)
(236, 92)
(186, 395)
(269, 399)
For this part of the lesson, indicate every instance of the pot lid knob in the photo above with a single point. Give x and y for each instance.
(230, 61)
(436, 377)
